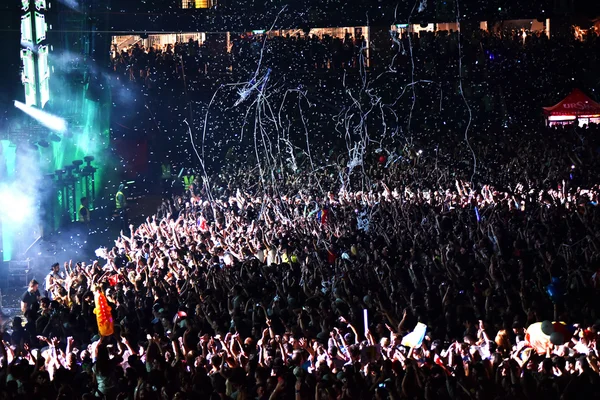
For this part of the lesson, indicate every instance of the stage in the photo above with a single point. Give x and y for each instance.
(64, 245)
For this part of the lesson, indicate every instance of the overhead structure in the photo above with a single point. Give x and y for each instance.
(577, 107)
(34, 52)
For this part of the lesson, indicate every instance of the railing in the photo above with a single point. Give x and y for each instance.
(130, 41)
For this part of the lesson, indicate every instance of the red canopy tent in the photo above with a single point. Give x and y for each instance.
(575, 107)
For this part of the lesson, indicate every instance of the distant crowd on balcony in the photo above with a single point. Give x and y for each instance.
(427, 55)
(289, 52)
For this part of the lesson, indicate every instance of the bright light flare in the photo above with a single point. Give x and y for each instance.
(50, 121)
(15, 206)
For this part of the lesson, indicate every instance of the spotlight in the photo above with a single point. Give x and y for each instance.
(54, 137)
(43, 143)
(77, 164)
(48, 120)
(69, 170)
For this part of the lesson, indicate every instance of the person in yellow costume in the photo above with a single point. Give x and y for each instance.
(121, 207)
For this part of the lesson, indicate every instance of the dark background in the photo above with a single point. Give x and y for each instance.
(10, 65)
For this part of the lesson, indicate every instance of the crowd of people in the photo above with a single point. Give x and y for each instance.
(146, 65)
(302, 52)
(416, 78)
(415, 271)
(257, 288)
(486, 54)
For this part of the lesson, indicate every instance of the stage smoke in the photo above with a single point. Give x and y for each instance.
(15, 205)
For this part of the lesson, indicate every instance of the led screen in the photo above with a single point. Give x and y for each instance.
(28, 77)
(40, 27)
(26, 29)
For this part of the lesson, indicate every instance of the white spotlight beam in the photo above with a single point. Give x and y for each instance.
(50, 121)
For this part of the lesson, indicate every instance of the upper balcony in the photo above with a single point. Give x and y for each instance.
(246, 15)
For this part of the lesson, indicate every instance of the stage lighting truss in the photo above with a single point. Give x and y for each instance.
(34, 52)
(25, 132)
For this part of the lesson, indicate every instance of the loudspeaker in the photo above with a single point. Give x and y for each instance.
(19, 273)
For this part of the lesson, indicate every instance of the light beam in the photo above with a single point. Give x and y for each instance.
(50, 121)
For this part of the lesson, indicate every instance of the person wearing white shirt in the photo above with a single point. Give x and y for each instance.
(53, 280)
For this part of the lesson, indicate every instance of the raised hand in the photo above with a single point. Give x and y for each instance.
(42, 339)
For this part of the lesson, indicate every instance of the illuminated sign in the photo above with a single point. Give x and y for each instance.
(580, 105)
